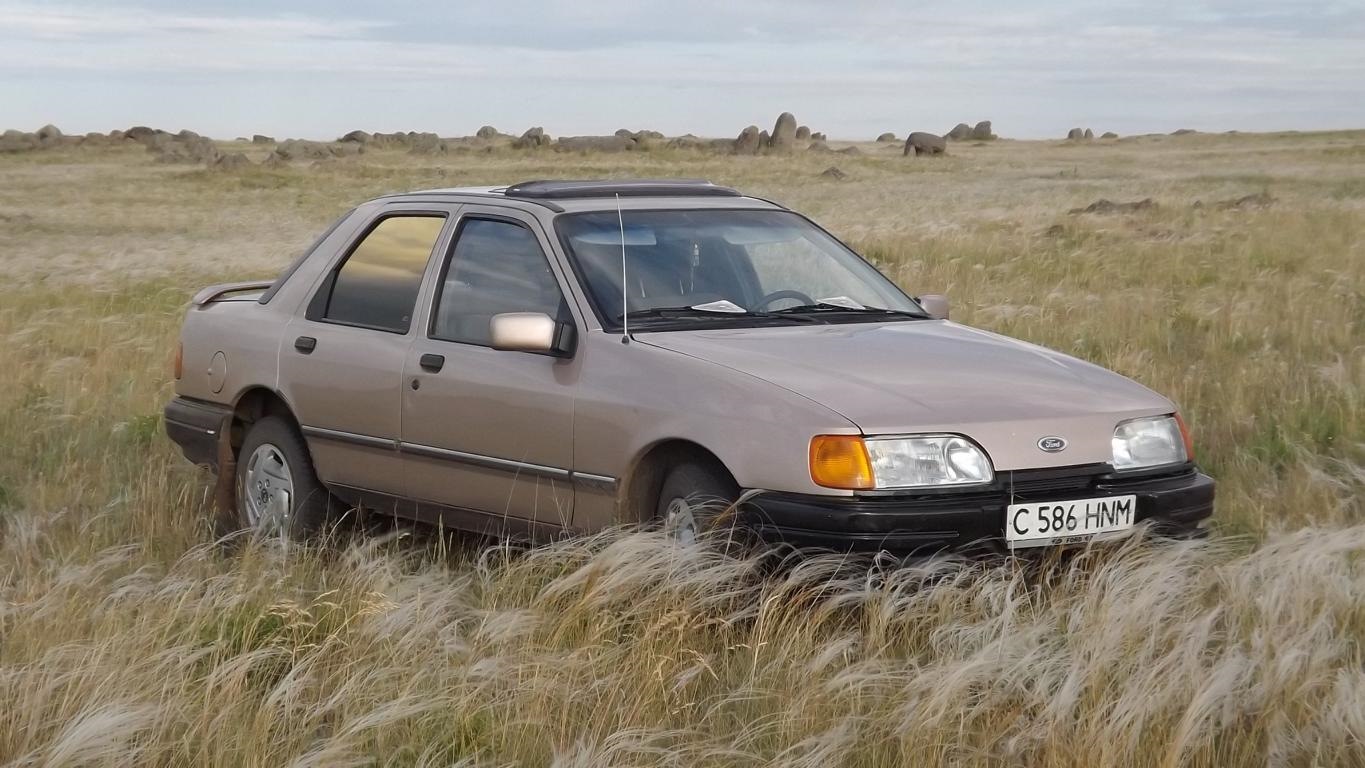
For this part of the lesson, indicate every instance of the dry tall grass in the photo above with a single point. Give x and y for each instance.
(127, 638)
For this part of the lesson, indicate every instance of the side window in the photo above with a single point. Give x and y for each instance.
(496, 267)
(377, 285)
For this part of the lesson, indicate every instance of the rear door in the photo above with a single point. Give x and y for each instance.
(484, 430)
(341, 363)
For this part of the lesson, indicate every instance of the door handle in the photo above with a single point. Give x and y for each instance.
(305, 344)
(432, 363)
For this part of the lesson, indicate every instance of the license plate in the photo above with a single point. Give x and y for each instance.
(1047, 523)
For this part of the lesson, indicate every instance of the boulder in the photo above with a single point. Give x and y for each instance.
(425, 143)
(921, 143)
(817, 136)
(186, 134)
(886, 137)
(1109, 135)
(1075, 134)
(232, 161)
(262, 139)
(593, 144)
(357, 137)
(749, 141)
(94, 139)
(982, 131)
(783, 138)
(49, 134)
(1089, 134)
(17, 141)
(117, 136)
(1183, 132)
(819, 145)
(487, 132)
(533, 137)
(624, 133)
(850, 151)
(834, 173)
(802, 133)
(689, 141)
(960, 132)
(275, 160)
(142, 134)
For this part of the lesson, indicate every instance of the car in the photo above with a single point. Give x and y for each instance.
(559, 357)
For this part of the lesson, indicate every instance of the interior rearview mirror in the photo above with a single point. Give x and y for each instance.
(936, 304)
(524, 332)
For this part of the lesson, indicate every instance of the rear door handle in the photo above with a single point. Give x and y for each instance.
(305, 344)
(432, 363)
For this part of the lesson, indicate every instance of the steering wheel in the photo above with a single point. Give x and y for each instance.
(784, 294)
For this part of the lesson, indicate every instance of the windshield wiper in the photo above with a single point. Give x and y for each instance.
(695, 313)
(839, 309)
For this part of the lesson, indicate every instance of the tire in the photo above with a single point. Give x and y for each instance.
(696, 500)
(277, 492)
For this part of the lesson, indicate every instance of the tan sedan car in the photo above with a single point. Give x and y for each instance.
(556, 357)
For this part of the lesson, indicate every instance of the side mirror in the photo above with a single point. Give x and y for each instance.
(525, 332)
(936, 304)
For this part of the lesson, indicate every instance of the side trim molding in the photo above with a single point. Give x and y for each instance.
(586, 480)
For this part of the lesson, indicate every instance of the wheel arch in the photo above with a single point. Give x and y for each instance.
(642, 483)
(253, 404)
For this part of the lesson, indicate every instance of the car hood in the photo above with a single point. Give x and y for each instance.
(937, 376)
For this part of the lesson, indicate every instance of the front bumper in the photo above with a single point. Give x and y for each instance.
(195, 426)
(1175, 502)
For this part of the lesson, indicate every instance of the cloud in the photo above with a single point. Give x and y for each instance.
(860, 64)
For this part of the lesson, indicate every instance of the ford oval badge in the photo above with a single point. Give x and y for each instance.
(1052, 444)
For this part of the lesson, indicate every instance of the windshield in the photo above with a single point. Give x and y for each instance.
(723, 266)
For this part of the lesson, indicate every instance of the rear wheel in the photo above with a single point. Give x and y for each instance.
(278, 493)
(697, 501)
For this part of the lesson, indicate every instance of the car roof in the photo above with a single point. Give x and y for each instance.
(596, 195)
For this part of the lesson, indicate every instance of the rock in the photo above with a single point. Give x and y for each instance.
(959, 132)
(783, 137)
(885, 137)
(1103, 206)
(142, 134)
(94, 139)
(1109, 135)
(49, 134)
(625, 133)
(817, 136)
(1183, 132)
(1089, 134)
(184, 147)
(921, 143)
(593, 144)
(533, 137)
(819, 146)
(854, 151)
(487, 132)
(117, 136)
(802, 133)
(186, 134)
(233, 161)
(17, 141)
(749, 141)
(834, 173)
(982, 131)
(357, 137)
(426, 143)
(1075, 134)
(689, 141)
(276, 160)
(764, 139)
(262, 139)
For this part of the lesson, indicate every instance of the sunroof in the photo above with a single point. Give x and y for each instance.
(553, 189)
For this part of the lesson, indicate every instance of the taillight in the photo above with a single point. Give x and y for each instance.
(179, 360)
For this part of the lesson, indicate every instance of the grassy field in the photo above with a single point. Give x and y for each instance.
(126, 637)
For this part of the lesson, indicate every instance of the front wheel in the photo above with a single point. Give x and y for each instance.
(278, 493)
(698, 501)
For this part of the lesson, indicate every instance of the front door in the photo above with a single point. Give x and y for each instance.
(488, 431)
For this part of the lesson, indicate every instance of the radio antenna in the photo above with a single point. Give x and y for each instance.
(625, 292)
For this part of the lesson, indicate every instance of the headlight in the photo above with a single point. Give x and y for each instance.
(921, 461)
(1150, 442)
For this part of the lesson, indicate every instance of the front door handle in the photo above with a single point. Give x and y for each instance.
(432, 363)
(305, 344)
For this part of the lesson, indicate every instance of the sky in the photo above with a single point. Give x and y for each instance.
(850, 68)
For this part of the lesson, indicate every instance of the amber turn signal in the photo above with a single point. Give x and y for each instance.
(840, 461)
(179, 360)
(1185, 434)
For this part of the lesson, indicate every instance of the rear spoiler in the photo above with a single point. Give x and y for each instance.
(220, 292)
